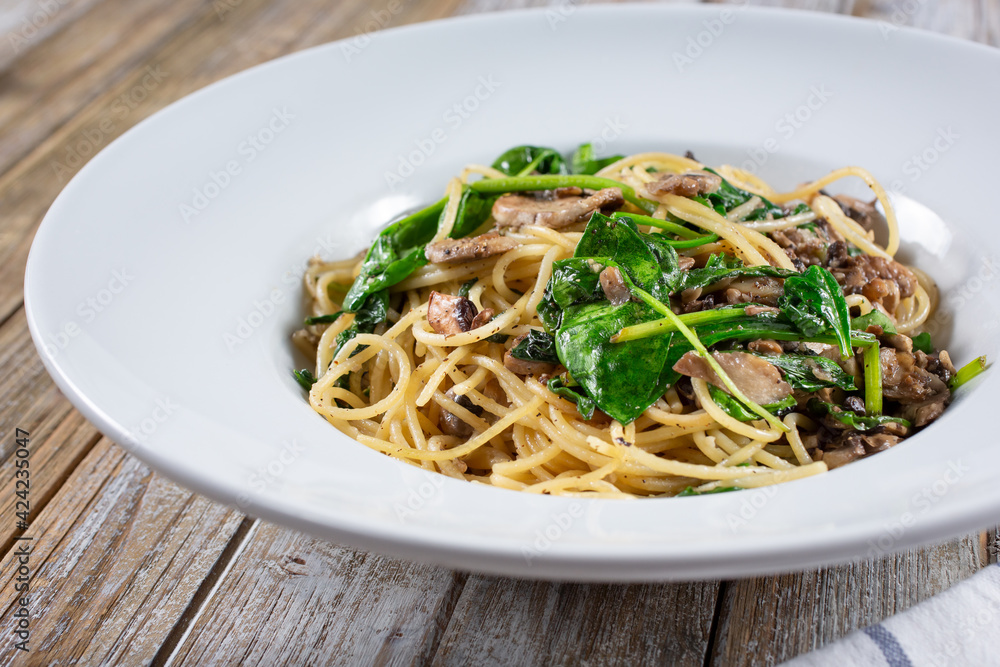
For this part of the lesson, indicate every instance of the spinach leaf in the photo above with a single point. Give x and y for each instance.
(609, 372)
(804, 372)
(719, 266)
(584, 161)
(923, 343)
(372, 313)
(522, 160)
(647, 259)
(735, 409)
(467, 287)
(728, 197)
(815, 303)
(536, 346)
(584, 404)
(473, 210)
(324, 319)
(876, 317)
(858, 422)
(396, 253)
(305, 378)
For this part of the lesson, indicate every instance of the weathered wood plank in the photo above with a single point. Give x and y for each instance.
(767, 620)
(116, 557)
(61, 74)
(25, 24)
(293, 600)
(500, 621)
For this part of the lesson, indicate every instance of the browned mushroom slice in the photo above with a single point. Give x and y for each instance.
(449, 314)
(453, 425)
(448, 251)
(614, 286)
(759, 380)
(864, 213)
(521, 366)
(558, 209)
(686, 185)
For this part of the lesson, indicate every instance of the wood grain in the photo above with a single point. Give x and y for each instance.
(117, 555)
(294, 600)
(501, 621)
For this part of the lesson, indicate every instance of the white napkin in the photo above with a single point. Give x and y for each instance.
(960, 626)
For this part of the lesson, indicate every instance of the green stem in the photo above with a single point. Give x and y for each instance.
(666, 325)
(873, 380)
(665, 225)
(692, 338)
(553, 181)
(968, 371)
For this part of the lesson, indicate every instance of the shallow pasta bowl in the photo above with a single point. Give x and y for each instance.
(164, 282)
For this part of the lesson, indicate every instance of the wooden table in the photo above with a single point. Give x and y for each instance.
(130, 568)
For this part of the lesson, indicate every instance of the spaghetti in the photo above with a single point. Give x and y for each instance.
(459, 343)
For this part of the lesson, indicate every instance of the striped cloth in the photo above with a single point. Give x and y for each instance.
(960, 626)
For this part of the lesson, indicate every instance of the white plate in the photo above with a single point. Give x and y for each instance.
(163, 284)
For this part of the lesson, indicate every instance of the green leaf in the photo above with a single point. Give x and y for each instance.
(522, 160)
(467, 287)
(876, 317)
(585, 162)
(584, 405)
(922, 342)
(396, 253)
(473, 210)
(815, 302)
(720, 266)
(324, 319)
(536, 346)
(728, 197)
(852, 419)
(735, 409)
(804, 372)
(370, 315)
(647, 259)
(305, 378)
(612, 374)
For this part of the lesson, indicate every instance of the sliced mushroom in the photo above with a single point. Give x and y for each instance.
(765, 346)
(452, 425)
(759, 380)
(841, 456)
(448, 251)
(482, 318)
(449, 314)
(522, 366)
(864, 213)
(558, 209)
(686, 185)
(614, 286)
(684, 263)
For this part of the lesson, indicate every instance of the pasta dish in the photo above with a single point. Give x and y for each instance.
(638, 325)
